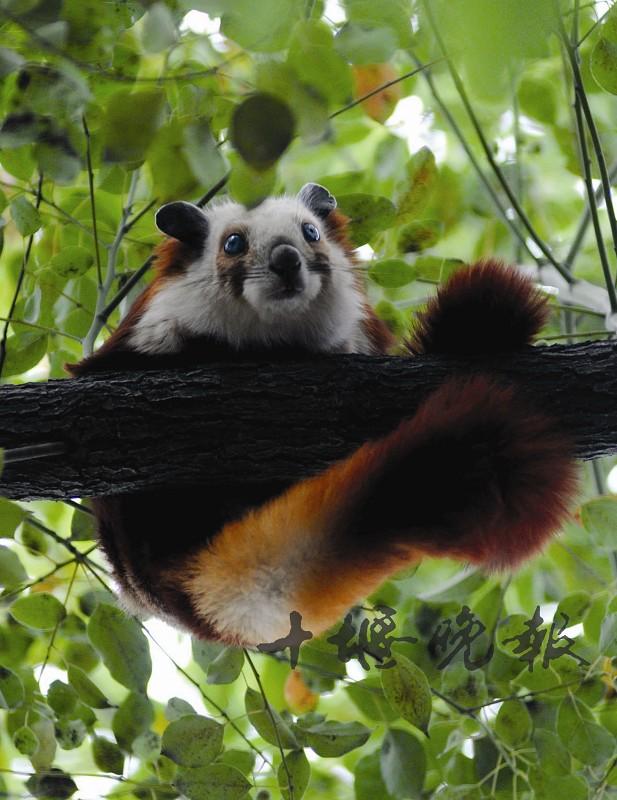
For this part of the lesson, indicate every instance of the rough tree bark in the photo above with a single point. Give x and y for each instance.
(264, 421)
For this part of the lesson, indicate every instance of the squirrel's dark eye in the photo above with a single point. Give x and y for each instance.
(311, 234)
(235, 244)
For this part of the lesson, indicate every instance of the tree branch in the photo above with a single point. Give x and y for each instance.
(251, 422)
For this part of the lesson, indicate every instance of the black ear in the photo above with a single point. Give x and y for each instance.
(318, 199)
(183, 221)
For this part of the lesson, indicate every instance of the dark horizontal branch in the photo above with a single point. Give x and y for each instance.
(266, 421)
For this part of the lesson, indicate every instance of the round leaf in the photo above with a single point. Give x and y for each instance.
(133, 718)
(603, 65)
(599, 518)
(369, 216)
(192, 741)
(331, 739)
(392, 273)
(262, 127)
(214, 782)
(72, 261)
(407, 689)
(513, 724)
(25, 741)
(226, 666)
(41, 611)
(261, 720)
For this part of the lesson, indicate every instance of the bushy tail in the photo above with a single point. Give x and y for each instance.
(477, 474)
(485, 308)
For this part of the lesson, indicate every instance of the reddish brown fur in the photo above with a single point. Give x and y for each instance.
(377, 332)
(485, 308)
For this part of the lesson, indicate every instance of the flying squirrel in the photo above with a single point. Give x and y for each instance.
(231, 563)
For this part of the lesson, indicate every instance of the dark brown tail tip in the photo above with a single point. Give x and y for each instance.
(487, 307)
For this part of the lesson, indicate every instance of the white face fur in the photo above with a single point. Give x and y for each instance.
(283, 288)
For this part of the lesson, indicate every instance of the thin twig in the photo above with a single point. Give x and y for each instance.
(591, 202)
(99, 271)
(581, 95)
(51, 331)
(384, 86)
(138, 275)
(290, 785)
(99, 319)
(20, 280)
(520, 212)
(583, 225)
(476, 164)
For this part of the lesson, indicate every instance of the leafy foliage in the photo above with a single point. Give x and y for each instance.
(446, 132)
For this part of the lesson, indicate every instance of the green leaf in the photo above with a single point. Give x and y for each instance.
(159, 30)
(57, 160)
(368, 782)
(25, 216)
(244, 760)
(61, 697)
(603, 64)
(419, 235)
(574, 607)
(133, 718)
(41, 611)
(83, 525)
(538, 98)
(147, 746)
(299, 771)
(369, 216)
(262, 128)
(11, 515)
(88, 691)
(260, 719)
(70, 733)
(53, 784)
(331, 739)
(214, 782)
(33, 539)
(44, 729)
(130, 123)
(9, 61)
(392, 273)
(513, 724)
(107, 756)
(72, 261)
(177, 707)
(395, 14)
(12, 572)
(608, 636)
(226, 666)
(11, 689)
(25, 741)
(249, 186)
(368, 695)
(364, 45)
(122, 645)
(265, 31)
(547, 787)
(552, 754)
(599, 518)
(316, 62)
(192, 741)
(407, 690)
(202, 154)
(421, 180)
(23, 352)
(584, 738)
(403, 764)
(465, 687)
